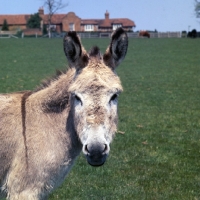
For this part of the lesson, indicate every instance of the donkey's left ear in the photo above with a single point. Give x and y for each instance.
(75, 53)
(117, 49)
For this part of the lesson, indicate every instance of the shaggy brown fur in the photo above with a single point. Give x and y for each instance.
(42, 132)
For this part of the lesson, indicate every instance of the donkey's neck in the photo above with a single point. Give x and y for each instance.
(55, 96)
(52, 106)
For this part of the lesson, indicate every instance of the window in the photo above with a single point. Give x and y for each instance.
(89, 27)
(115, 26)
(71, 27)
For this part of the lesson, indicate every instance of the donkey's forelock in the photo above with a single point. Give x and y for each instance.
(95, 52)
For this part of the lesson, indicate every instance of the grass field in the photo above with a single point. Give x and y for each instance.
(158, 157)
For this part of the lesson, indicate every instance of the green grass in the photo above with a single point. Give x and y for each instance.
(158, 157)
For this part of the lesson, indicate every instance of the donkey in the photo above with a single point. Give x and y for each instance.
(43, 131)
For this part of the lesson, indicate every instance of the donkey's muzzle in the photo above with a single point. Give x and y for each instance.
(96, 154)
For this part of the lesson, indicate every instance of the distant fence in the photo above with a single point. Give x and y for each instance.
(131, 35)
(32, 31)
(94, 35)
(85, 35)
(156, 35)
(8, 34)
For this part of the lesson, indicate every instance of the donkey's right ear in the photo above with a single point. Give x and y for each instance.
(117, 49)
(75, 53)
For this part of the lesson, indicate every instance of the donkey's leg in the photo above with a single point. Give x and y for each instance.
(18, 191)
(26, 195)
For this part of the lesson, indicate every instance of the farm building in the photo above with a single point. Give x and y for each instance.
(69, 22)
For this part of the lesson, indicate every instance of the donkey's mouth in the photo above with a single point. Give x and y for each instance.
(96, 160)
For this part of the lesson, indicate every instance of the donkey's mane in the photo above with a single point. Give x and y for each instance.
(45, 83)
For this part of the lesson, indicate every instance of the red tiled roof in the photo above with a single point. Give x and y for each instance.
(109, 22)
(123, 21)
(22, 19)
(57, 19)
(14, 19)
(105, 23)
(90, 21)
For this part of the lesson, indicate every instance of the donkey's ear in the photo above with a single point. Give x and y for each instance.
(75, 53)
(117, 49)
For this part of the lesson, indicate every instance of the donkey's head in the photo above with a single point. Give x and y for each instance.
(94, 93)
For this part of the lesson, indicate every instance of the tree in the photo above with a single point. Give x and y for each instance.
(192, 34)
(5, 26)
(34, 21)
(197, 8)
(44, 30)
(53, 6)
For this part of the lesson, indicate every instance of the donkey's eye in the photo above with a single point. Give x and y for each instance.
(113, 98)
(78, 99)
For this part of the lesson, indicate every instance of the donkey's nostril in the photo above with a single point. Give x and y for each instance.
(96, 149)
(86, 149)
(105, 148)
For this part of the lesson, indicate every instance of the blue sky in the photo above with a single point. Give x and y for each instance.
(168, 15)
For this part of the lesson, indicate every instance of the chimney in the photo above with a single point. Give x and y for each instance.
(41, 11)
(107, 15)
